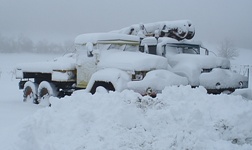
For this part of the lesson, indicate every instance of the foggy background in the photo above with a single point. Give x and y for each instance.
(60, 21)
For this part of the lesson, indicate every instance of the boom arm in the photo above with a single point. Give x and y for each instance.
(179, 30)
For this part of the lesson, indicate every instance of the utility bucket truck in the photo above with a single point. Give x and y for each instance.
(191, 60)
(173, 40)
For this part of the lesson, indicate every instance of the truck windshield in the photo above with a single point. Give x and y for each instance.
(184, 48)
(122, 47)
(190, 50)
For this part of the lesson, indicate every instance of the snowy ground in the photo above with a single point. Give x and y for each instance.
(12, 109)
(179, 118)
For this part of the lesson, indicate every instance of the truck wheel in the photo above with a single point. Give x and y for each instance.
(102, 86)
(30, 92)
(101, 89)
(46, 90)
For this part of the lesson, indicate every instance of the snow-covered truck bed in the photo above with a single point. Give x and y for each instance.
(66, 62)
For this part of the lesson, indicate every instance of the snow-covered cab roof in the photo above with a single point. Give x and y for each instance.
(106, 38)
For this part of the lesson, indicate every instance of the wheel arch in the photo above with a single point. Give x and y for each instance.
(110, 78)
(107, 85)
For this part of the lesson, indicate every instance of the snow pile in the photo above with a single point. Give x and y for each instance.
(179, 118)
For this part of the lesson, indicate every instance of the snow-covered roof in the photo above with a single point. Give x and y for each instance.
(106, 38)
(149, 41)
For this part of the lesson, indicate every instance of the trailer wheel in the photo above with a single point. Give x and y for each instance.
(30, 92)
(46, 90)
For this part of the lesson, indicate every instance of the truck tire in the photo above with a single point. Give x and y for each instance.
(46, 90)
(30, 92)
(106, 86)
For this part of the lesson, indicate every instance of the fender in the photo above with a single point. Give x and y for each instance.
(118, 78)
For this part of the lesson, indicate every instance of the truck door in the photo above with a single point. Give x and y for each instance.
(86, 64)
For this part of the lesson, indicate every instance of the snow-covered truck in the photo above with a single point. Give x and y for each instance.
(191, 60)
(109, 60)
(122, 59)
(172, 39)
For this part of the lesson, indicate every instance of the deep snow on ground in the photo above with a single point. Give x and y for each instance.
(179, 118)
(12, 109)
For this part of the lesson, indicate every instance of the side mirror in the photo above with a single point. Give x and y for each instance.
(146, 48)
(89, 47)
(206, 52)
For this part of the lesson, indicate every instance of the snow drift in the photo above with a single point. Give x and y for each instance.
(178, 118)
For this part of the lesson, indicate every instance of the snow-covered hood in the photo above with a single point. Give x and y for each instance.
(201, 61)
(161, 78)
(191, 66)
(133, 61)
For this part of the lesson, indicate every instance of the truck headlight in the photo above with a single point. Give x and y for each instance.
(218, 85)
(149, 91)
(139, 75)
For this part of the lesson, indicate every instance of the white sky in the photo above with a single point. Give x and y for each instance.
(58, 20)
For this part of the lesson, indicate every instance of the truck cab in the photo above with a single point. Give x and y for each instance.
(119, 55)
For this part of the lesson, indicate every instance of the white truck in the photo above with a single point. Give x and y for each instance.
(187, 58)
(123, 59)
(106, 60)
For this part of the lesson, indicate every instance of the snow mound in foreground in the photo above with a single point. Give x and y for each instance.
(178, 118)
